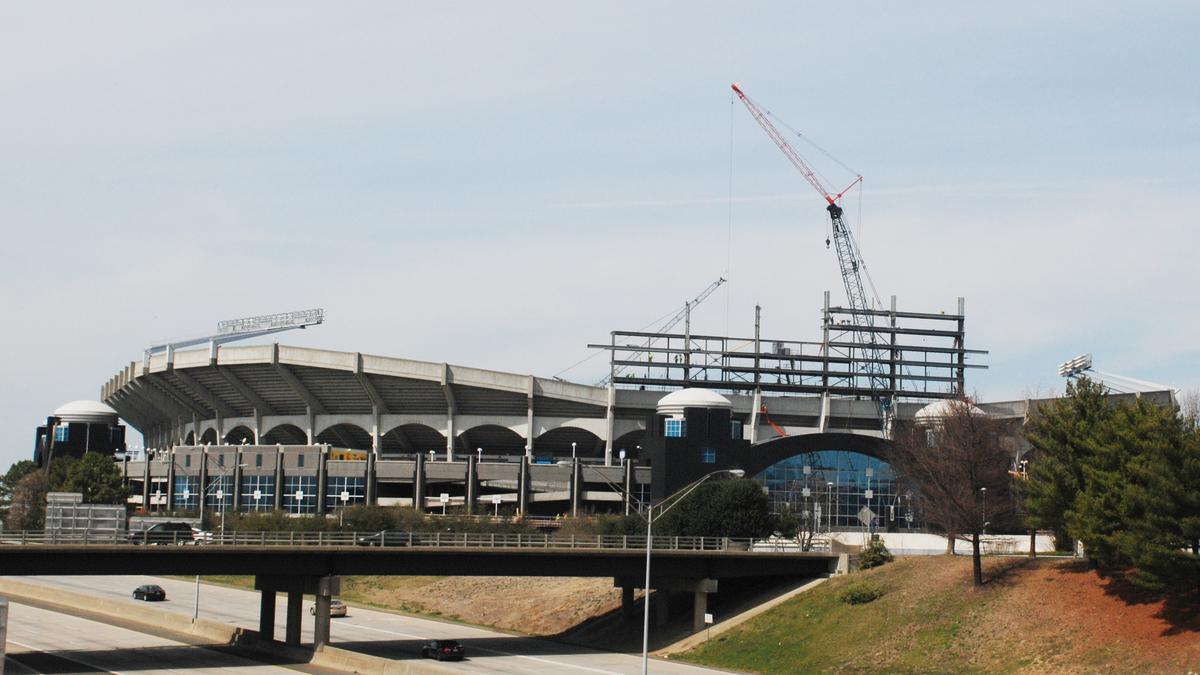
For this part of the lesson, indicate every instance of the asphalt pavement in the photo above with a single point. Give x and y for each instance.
(375, 632)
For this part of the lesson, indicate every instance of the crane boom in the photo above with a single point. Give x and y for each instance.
(849, 260)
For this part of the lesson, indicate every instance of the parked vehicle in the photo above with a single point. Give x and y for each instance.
(164, 533)
(149, 593)
(336, 608)
(442, 650)
(386, 538)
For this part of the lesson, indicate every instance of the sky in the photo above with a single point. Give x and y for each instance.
(499, 184)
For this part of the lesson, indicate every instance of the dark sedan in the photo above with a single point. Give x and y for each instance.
(386, 538)
(442, 650)
(149, 593)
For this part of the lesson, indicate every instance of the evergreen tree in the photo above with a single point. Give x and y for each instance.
(1063, 435)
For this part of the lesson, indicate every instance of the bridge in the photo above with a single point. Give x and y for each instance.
(298, 563)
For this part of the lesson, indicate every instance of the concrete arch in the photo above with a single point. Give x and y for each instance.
(239, 435)
(629, 442)
(493, 438)
(346, 435)
(209, 437)
(284, 434)
(412, 438)
(557, 442)
(767, 453)
(190, 439)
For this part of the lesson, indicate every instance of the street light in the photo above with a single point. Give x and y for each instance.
(650, 517)
(479, 451)
(985, 520)
(572, 450)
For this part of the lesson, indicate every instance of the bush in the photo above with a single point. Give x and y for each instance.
(860, 594)
(874, 555)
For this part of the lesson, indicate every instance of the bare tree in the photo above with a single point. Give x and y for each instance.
(28, 508)
(959, 463)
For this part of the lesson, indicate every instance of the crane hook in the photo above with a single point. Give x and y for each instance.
(826, 242)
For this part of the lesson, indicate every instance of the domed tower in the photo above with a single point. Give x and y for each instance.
(693, 433)
(76, 428)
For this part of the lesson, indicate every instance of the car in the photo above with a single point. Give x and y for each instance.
(386, 538)
(336, 608)
(201, 536)
(164, 533)
(442, 650)
(149, 593)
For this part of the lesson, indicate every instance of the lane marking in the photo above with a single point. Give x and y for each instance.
(42, 650)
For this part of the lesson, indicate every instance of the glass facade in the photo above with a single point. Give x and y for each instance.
(187, 493)
(300, 494)
(353, 486)
(835, 486)
(258, 493)
(708, 455)
(218, 496)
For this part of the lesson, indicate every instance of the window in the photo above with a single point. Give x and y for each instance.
(300, 494)
(708, 455)
(300, 461)
(336, 485)
(221, 459)
(258, 460)
(187, 495)
(735, 430)
(62, 433)
(187, 461)
(675, 428)
(258, 493)
(219, 494)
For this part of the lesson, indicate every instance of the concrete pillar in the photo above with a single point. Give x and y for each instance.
(451, 436)
(146, 481)
(235, 490)
(321, 622)
(576, 486)
(277, 497)
(322, 477)
(376, 439)
(610, 423)
(311, 420)
(257, 426)
(419, 483)
(266, 615)
(699, 609)
(523, 488)
(627, 498)
(529, 428)
(203, 479)
(369, 483)
(171, 479)
(471, 491)
(295, 606)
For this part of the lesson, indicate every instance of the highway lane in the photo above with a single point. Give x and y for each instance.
(380, 633)
(41, 641)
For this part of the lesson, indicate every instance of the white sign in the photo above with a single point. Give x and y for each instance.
(806, 492)
(345, 496)
(708, 619)
(257, 495)
(869, 493)
(444, 497)
(186, 493)
(220, 495)
(496, 499)
(865, 516)
(299, 495)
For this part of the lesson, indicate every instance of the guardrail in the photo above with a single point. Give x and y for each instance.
(389, 538)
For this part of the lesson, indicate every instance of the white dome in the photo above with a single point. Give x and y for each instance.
(674, 402)
(86, 411)
(938, 410)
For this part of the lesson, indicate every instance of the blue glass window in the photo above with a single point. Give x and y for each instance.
(62, 433)
(187, 494)
(336, 485)
(258, 493)
(708, 455)
(300, 494)
(675, 428)
(735, 430)
(219, 495)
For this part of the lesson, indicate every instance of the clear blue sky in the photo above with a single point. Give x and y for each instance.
(497, 184)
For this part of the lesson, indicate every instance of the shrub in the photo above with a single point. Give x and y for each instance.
(874, 555)
(860, 594)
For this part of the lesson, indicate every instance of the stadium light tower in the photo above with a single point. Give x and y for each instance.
(232, 330)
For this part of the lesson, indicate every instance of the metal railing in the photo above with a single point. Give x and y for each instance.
(390, 539)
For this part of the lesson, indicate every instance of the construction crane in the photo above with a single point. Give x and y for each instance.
(684, 315)
(232, 330)
(847, 253)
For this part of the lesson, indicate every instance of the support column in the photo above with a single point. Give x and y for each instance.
(419, 484)
(523, 488)
(235, 490)
(529, 429)
(451, 437)
(326, 587)
(369, 484)
(627, 497)
(145, 480)
(257, 426)
(699, 609)
(471, 491)
(755, 409)
(202, 479)
(170, 479)
(277, 497)
(311, 420)
(576, 487)
(266, 615)
(610, 423)
(295, 606)
(322, 478)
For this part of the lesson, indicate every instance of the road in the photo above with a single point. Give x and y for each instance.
(380, 633)
(41, 641)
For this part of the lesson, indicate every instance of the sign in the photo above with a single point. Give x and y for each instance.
(817, 511)
(299, 495)
(806, 492)
(186, 493)
(866, 516)
(345, 496)
(444, 497)
(220, 495)
(869, 493)
(257, 495)
(708, 618)
(496, 499)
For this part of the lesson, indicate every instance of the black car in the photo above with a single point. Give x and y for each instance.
(149, 592)
(442, 650)
(164, 533)
(386, 538)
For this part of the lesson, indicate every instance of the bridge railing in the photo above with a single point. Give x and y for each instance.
(388, 538)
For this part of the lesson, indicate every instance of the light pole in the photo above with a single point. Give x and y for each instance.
(983, 490)
(829, 510)
(572, 450)
(479, 452)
